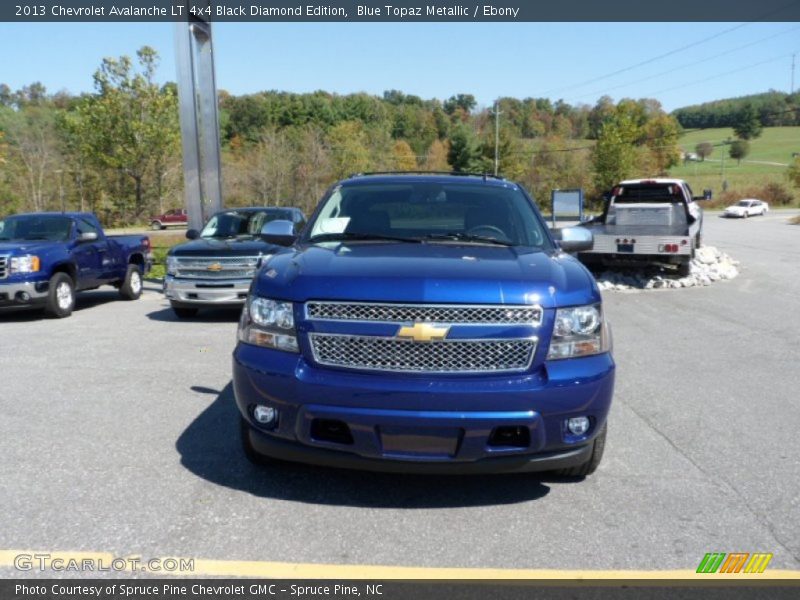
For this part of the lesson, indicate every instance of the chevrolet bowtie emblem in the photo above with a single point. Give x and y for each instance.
(214, 267)
(423, 332)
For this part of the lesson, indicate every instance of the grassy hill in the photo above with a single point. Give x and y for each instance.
(769, 156)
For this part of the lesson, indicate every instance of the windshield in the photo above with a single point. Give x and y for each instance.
(743, 203)
(235, 223)
(439, 212)
(54, 228)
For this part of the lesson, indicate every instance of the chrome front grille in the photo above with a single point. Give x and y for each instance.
(425, 313)
(209, 267)
(446, 356)
(3, 267)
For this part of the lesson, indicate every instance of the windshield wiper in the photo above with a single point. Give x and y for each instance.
(36, 237)
(465, 237)
(335, 237)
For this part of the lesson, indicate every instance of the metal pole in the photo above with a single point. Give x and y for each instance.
(197, 100)
(496, 137)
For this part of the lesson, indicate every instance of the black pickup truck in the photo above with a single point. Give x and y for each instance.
(215, 268)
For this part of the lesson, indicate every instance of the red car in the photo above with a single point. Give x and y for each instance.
(171, 218)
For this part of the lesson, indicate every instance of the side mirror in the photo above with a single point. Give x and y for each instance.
(575, 239)
(707, 195)
(89, 236)
(192, 234)
(278, 232)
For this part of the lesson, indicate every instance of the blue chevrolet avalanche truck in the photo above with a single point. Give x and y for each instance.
(45, 258)
(425, 323)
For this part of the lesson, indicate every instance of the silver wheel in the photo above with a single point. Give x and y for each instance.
(64, 295)
(136, 282)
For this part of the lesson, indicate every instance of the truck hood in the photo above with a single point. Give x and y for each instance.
(251, 246)
(437, 273)
(32, 247)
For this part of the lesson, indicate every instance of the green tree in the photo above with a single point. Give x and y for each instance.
(465, 151)
(436, 158)
(404, 157)
(130, 125)
(33, 151)
(704, 149)
(349, 151)
(661, 132)
(748, 124)
(463, 103)
(553, 166)
(614, 156)
(739, 149)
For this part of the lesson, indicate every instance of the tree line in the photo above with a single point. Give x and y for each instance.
(116, 151)
(772, 108)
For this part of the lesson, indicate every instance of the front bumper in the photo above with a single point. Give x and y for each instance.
(22, 294)
(417, 423)
(206, 291)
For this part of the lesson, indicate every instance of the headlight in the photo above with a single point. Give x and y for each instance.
(172, 265)
(27, 263)
(579, 331)
(268, 323)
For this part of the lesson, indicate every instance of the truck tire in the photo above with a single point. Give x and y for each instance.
(247, 446)
(156, 226)
(60, 296)
(131, 287)
(184, 313)
(590, 466)
(685, 268)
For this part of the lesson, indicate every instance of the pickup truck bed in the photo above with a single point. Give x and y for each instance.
(647, 222)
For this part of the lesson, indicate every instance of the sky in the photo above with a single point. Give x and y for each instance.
(686, 63)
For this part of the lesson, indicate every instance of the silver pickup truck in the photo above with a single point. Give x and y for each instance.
(647, 221)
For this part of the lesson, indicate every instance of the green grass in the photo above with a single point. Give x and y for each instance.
(775, 145)
(161, 245)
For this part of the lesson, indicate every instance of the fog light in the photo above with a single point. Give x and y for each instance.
(578, 425)
(264, 415)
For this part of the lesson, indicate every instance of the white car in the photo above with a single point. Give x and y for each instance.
(747, 208)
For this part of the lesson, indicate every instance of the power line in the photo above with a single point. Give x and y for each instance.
(672, 52)
(757, 64)
(649, 60)
(686, 65)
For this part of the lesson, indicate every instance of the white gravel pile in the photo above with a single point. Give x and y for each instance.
(709, 265)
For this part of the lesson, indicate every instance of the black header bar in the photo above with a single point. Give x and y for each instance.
(406, 11)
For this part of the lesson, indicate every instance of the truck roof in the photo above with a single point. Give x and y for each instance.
(57, 214)
(431, 177)
(664, 180)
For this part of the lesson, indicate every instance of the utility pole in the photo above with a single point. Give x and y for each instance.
(496, 137)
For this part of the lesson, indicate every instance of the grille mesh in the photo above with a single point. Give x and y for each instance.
(448, 356)
(230, 268)
(431, 313)
(3, 267)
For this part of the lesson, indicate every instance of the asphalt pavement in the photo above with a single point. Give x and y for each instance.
(119, 434)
